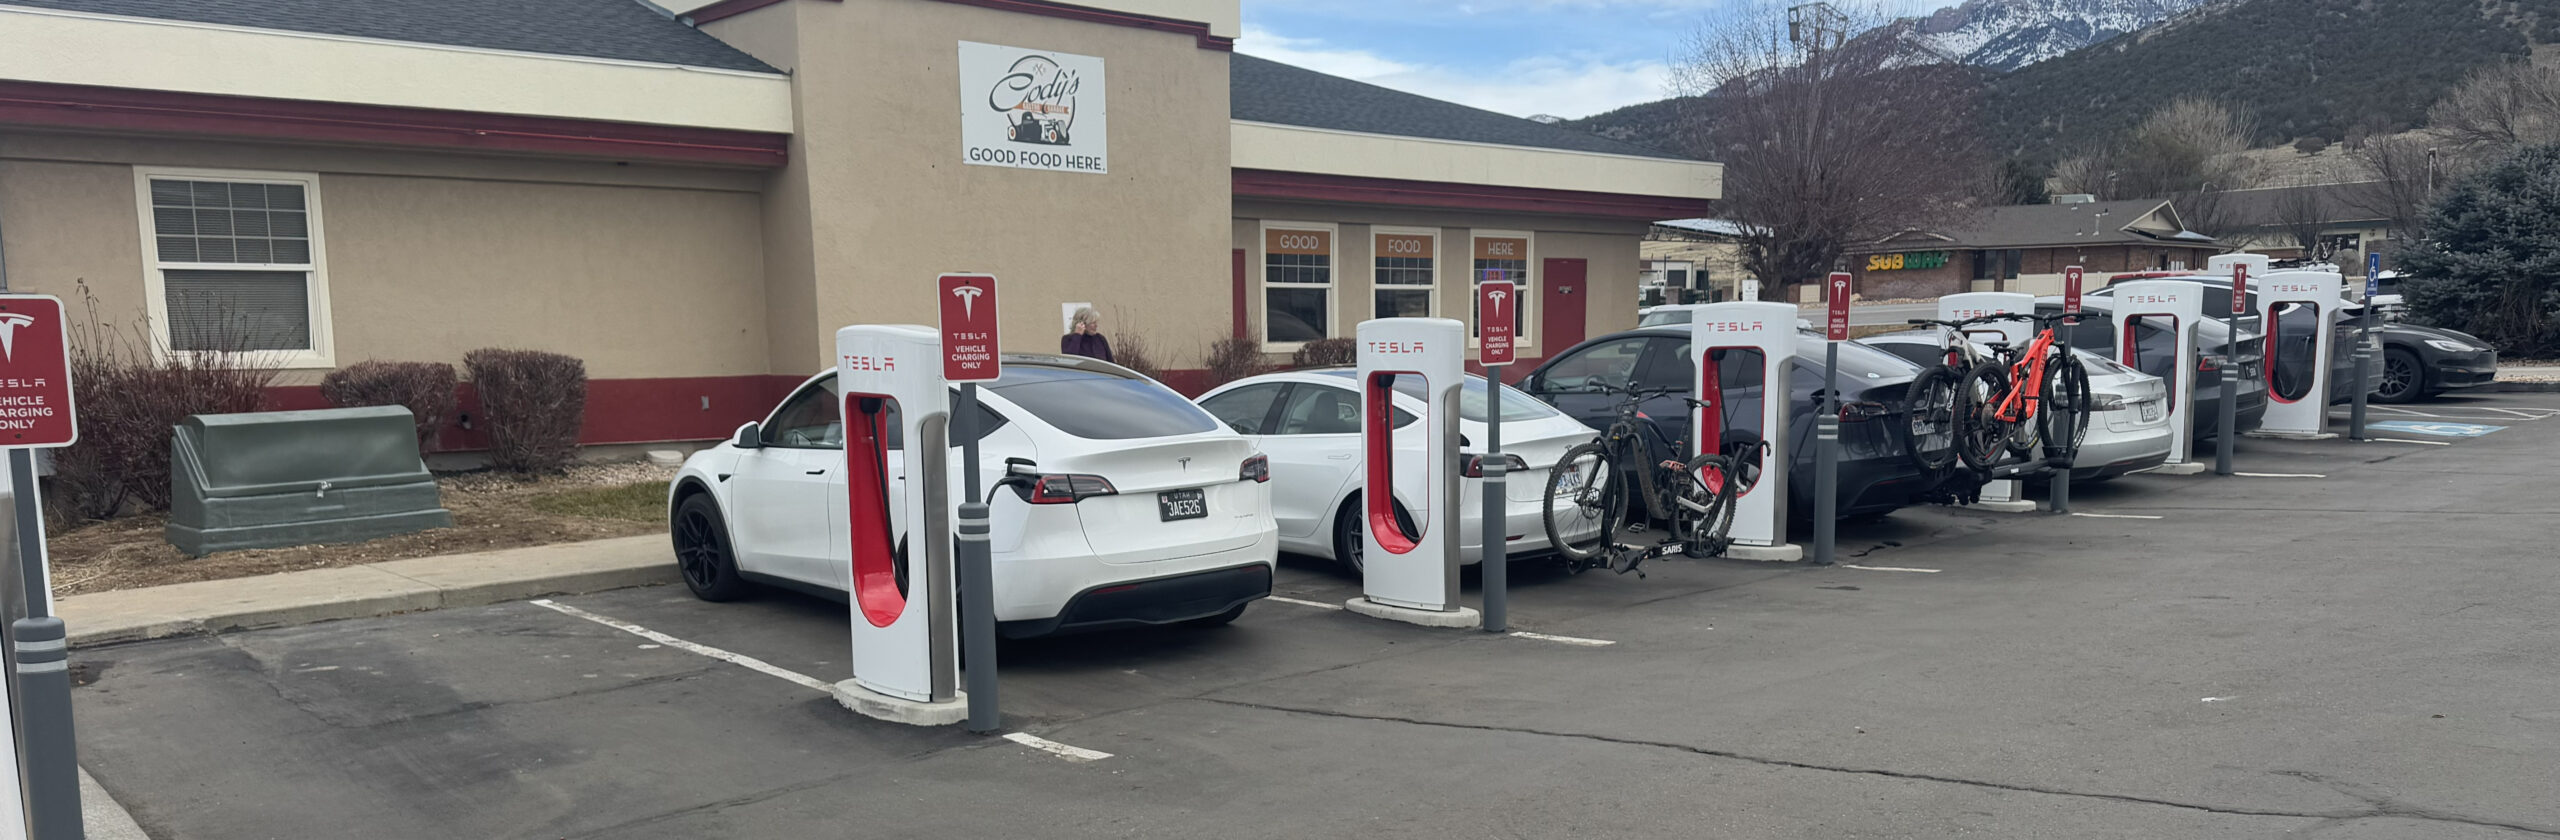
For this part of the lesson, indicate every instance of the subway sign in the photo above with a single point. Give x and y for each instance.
(1911, 261)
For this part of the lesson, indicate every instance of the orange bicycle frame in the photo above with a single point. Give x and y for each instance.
(2026, 384)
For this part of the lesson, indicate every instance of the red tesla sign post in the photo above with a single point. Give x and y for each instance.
(2071, 295)
(2071, 277)
(1497, 328)
(35, 411)
(1839, 300)
(968, 305)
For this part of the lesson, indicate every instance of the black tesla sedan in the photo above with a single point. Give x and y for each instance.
(1876, 475)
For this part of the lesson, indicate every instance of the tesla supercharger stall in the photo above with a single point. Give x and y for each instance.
(2297, 311)
(1764, 332)
(905, 656)
(2175, 307)
(1409, 498)
(2004, 495)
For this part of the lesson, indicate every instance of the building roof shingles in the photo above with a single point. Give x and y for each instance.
(1261, 90)
(2036, 225)
(615, 29)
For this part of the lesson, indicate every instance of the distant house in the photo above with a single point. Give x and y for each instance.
(2275, 221)
(1703, 254)
(2025, 248)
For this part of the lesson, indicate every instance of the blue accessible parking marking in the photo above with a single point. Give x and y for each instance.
(2437, 429)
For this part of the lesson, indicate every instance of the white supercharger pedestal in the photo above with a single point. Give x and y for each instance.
(2305, 417)
(2004, 495)
(905, 656)
(2182, 305)
(1760, 515)
(1405, 576)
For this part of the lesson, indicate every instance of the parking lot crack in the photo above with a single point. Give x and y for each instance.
(2375, 805)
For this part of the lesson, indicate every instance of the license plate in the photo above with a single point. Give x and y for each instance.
(2150, 411)
(1569, 483)
(1181, 504)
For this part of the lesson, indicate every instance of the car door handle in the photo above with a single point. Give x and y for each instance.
(815, 472)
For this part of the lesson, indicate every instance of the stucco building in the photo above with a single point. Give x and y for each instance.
(692, 196)
(2025, 249)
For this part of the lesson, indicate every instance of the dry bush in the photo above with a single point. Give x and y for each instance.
(531, 403)
(1231, 359)
(424, 388)
(131, 396)
(1325, 352)
(1133, 352)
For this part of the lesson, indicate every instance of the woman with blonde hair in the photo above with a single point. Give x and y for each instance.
(1084, 336)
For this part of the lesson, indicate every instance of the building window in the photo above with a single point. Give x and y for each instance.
(1404, 277)
(235, 263)
(1297, 284)
(1505, 257)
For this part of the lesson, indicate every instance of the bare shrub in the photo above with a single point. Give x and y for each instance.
(532, 403)
(1231, 359)
(1132, 351)
(424, 388)
(1325, 352)
(132, 395)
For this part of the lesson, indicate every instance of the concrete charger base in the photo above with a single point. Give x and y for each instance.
(1458, 617)
(873, 704)
(2265, 433)
(2181, 468)
(2013, 506)
(1780, 553)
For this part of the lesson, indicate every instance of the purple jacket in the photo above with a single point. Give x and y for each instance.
(1092, 346)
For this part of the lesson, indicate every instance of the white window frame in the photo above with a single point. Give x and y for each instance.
(1529, 308)
(1332, 286)
(323, 351)
(1432, 234)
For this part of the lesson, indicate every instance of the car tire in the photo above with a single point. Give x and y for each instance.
(704, 555)
(1346, 533)
(1222, 619)
(2411, 384)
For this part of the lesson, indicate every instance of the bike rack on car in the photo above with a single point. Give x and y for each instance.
(905, 658)
(1769, 329)
(2001, 490)
(2305, 417)
(1411, 574)
(2182, 304)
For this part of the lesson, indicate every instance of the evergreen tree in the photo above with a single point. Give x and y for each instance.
(2492, 267)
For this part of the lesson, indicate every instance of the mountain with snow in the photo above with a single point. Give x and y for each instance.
(2008, 34)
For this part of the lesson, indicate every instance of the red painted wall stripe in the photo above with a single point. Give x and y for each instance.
(1261, 183)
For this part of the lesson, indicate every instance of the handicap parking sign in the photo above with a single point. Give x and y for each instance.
(2437, 429)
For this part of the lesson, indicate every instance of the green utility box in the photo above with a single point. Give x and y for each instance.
(278, 478)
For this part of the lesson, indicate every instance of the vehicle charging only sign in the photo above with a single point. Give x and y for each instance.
(968, 327)
(1839, 295)
(2071, 278)
(2239, 290)
(35, 373)
(1495, 302)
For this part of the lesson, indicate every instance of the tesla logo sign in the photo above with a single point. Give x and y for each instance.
(968, 338)
(1395, 348)
(35, 374)
(2239, 289)
(883, 364)
(2071, 290)
(1731, 326)
(1839, 322)
(2149, 299)
(1495, 322)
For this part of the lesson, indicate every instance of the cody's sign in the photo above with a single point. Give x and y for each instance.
(1032, 109)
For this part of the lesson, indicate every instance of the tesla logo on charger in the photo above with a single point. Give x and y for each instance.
(2150, 299)
(1395, 347)
(1732, 326)
(1961, 314)
(871, 363)
(9, 324)
(2292, 287)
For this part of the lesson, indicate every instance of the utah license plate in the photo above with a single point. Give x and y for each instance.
(2150, 411)
(1181, 504)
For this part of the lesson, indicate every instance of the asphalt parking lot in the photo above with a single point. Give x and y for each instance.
(2354, 642)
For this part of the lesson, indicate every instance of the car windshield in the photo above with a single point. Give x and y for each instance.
(1663, 317)
(1471, 397)
(1100, 406)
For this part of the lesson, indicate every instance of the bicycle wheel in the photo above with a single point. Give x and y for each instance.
(1583, 503)
(1930, 433)
(1980, 433)
(2065, 417)
(1713, 488)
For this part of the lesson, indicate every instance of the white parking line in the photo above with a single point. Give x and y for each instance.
(2118, 515)
(1070, 753)
(2418, 442)
(2403, 411)
(739, 659)
(2281, 475)
(1316, 604)
(1889, 569)
(1569, 640)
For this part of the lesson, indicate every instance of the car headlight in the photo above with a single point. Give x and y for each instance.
(2451, 346)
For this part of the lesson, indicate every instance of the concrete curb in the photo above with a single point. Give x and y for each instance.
(2509, 386)
(373, 589)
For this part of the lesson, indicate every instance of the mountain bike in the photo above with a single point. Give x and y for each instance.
(2003, 397)
(1588, 490)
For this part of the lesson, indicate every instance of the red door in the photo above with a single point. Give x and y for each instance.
(1561, 327)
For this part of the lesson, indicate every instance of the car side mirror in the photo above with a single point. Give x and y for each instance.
(750, 436)
(1536, 384)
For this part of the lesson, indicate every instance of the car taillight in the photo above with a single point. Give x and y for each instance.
(1510, 464)
(2108, 402)
(1257, 469)
(1067, 489)
(2208, 364)
(1861, 411)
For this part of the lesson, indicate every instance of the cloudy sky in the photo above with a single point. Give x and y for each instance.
(1570, 58)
